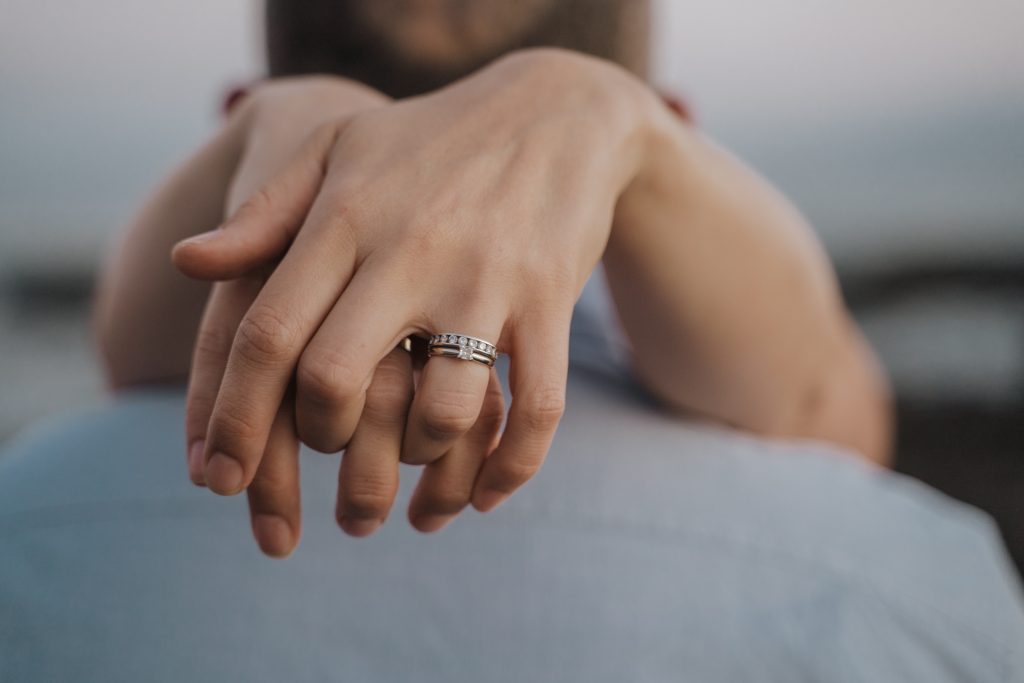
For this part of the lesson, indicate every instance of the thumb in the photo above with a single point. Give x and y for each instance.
(263, 227)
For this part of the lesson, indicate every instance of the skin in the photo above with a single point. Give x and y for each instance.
(522, 199)
(148, 314)
(365, 270)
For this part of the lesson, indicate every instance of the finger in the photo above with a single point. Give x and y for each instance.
(447, 403)
(268, 343)
(337, 366)
(225, 309)
(274, 506)
(446, 486)
(368, 479)
(263, 227)
(540, 363)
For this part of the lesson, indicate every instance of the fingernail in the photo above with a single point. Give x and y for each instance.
(200, 238)
(273, 534)
(486, 500)
(223, 474)
(195, 462)
(428, 524)
(358, 527)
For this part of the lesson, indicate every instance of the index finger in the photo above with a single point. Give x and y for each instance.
(225, 309)
(268, 343)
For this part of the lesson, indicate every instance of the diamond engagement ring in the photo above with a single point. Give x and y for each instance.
(463, 347)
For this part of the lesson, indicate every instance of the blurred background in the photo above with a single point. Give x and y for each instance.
(896, 125)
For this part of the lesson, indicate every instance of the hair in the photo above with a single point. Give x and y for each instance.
(339, 37)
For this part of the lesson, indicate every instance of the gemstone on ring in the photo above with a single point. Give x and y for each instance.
(465, 348)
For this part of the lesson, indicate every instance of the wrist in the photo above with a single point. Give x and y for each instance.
(664, 164)
(297, 101)
(607, 108)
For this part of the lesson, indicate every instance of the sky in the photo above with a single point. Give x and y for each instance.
(835, 59)
(862, 110)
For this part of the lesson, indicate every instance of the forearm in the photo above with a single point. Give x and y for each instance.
(732, 306)
(146, 311)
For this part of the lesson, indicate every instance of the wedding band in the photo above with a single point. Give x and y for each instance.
(463, 347)
(476, 356)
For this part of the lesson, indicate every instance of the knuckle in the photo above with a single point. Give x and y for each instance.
(325, 134)
(533, 271)
(233, 425)
(425, 239)
(393, 372)
(482, 262)
(198, 408)
(445, 501)
(272, 487)
(266, 335)
(387, 401)
(449, 414)
(543, 409)
(212, 340)
(492, 415)
(512, 474)
(320, 435)
(537, 267)
(385, 413)
(559, 271)
(367, 498)
(261, 200)
(259, 203)
(326, 377)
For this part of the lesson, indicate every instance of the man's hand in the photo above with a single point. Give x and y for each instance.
(479, 209)
(276, 119)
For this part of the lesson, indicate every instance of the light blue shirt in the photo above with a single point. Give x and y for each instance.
(647, 549)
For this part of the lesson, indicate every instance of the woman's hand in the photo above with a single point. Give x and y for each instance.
(480, 209)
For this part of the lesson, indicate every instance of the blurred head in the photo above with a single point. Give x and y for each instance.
(405, 47)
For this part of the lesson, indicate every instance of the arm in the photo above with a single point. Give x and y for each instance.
(147, 312)
(731, 304)
(483, 208)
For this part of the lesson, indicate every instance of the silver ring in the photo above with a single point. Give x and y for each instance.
(463, 347)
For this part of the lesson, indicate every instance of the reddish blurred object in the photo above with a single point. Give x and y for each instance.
(233, 97)
(679, 107)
